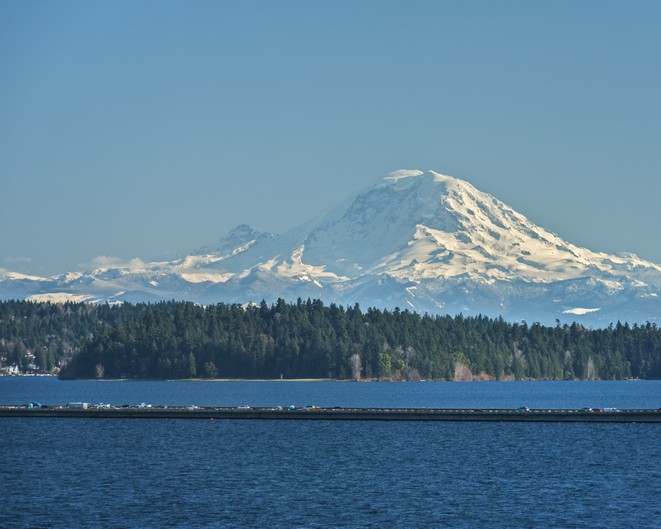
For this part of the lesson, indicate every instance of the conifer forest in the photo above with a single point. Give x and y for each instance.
(307, 339)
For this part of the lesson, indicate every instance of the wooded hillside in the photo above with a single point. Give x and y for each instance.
(309, 339)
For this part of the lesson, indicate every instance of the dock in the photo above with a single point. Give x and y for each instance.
(78, 411)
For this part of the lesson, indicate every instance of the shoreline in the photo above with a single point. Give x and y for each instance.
(362, 380)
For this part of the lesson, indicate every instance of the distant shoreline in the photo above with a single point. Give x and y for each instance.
(362, 380)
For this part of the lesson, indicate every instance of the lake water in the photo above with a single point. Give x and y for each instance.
(600, 394)
(192, 473)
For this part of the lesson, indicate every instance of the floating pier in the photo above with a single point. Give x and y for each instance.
(86, 411)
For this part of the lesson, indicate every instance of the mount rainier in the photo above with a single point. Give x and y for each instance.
(416, 240)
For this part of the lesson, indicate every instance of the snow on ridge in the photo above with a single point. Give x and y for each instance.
(134, 265)
(403, 173)
(196, 261)
(204, 277)
(462, 230)
(434, 254)
(6, 274)
(237, 240)
(243, 248)
(59, 297)
(68, 277)
(484, 216)
(438, 177)
(579, 311)
(408, 173)
(611, 286)
(295, 268)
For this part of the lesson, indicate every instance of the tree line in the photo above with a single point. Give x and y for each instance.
(308, 339)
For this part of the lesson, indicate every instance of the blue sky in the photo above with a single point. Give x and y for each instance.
(139, 128)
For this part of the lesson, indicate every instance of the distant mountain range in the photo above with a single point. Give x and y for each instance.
(416, 240)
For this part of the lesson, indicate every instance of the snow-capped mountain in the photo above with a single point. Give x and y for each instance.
(416, 240)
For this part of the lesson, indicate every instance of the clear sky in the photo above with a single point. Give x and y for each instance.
(139, 128)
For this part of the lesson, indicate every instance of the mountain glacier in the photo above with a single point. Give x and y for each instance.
(416, 240)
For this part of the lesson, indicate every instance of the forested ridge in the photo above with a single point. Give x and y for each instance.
(310, 340)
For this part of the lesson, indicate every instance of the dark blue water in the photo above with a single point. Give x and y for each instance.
(193, 473)
(600, 394)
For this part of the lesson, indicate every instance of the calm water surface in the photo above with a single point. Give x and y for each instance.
(600, 394)
(192, 473)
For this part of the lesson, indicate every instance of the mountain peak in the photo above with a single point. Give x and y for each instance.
(241, 231)
(415, 239)
(237, 240)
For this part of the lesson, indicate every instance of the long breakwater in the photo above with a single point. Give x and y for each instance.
(80, 411)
